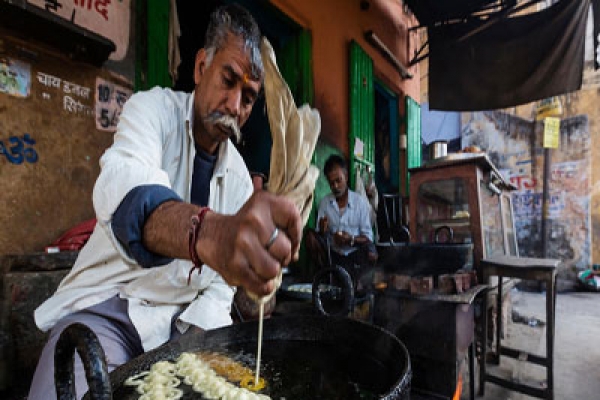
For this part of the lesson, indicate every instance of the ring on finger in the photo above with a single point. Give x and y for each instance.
(272, 239)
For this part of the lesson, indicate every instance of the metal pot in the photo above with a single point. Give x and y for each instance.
(304, 357)
(422, 259)
(438, 149)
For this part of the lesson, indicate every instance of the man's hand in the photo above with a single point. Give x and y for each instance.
(323, 224)
(235, 245)
(342, 238)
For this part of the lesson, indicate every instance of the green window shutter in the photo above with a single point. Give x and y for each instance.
(307, 94)
(362, 107)
(287, 61)
(294, 59)
(413, 133)
(295, 62)
(152, 65)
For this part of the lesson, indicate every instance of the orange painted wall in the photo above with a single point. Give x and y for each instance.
(334, 24)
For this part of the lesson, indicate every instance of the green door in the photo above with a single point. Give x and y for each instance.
(295, 64)
(362, 109)
(152, 62)
(413, 133)
(294, 59)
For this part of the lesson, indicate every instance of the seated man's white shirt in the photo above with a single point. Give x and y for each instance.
(355, 219)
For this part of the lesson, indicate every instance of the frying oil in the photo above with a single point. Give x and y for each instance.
(309, 370)
(304, 370)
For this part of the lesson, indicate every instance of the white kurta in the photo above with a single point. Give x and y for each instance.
(153, 145)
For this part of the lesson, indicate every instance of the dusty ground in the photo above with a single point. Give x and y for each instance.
(577, 345)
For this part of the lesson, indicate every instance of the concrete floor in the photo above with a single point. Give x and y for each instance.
(577, 345)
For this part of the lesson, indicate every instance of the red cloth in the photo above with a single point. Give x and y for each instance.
(74, 238)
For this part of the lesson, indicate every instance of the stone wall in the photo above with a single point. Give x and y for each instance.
(515, 146)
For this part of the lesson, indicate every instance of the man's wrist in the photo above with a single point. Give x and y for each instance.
(351, 240)
(194, 235)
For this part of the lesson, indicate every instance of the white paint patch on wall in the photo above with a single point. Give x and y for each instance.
(108, 18)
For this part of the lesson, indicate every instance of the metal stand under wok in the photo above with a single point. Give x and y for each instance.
(438, 329)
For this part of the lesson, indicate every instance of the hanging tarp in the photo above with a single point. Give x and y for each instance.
(429, 12)
(513, 61)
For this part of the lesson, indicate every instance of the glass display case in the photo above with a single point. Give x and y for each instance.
(462, 198)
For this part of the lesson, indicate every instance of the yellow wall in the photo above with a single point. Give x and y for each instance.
(333, 25)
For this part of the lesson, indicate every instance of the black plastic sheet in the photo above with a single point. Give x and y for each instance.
(513, 61)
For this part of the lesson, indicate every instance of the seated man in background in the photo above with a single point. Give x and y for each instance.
(343, 223)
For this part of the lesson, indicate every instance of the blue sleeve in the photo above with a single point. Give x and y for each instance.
(129, 219)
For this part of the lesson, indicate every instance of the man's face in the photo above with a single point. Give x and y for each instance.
(224, 86)
(338, 181)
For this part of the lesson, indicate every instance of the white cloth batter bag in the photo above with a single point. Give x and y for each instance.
(295, 132)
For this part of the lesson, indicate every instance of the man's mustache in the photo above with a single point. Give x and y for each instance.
(225, 121)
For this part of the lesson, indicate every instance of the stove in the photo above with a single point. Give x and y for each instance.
(437, 328)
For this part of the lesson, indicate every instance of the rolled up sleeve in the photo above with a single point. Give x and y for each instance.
(130, 217)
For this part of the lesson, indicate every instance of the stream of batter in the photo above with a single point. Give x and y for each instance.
(261, 314)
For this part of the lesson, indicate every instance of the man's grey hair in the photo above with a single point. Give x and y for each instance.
(235, 19)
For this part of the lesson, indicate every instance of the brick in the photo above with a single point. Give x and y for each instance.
(400, 282)
(446, 284)
(421, 285)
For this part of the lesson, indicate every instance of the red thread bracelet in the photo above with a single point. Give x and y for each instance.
(194, 231)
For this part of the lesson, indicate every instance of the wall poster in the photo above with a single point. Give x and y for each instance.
(15, 77)
(109, 104)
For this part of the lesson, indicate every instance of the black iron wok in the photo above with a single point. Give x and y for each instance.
(304, 357)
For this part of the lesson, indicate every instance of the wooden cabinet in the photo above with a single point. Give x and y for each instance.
(462, 198)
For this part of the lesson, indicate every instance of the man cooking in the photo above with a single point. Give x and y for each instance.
(173, 188)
